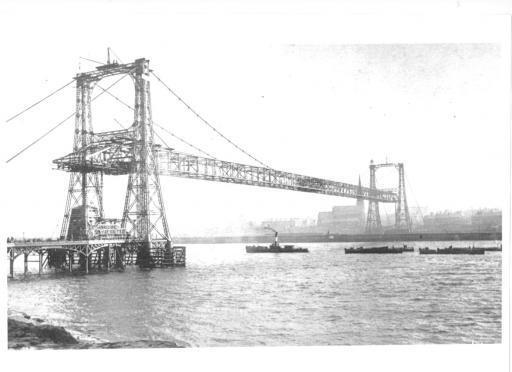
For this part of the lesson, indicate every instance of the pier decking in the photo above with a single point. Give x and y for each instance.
(91, 255)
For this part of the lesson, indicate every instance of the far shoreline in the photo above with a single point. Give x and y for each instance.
(342, 238)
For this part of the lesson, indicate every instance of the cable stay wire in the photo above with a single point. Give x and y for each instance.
(115, 97)
(123, 127)
(119, 123)
(115, 55)
(161, 139)
(413, 196)
(92, 60)
(60, 123)
(38, 102)
(208, 124)
(181, 139)
(184, 141)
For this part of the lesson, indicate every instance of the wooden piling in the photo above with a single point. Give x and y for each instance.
(11, 263)
(40, 262)
(108, 258)
(87, 259)
(25, 263)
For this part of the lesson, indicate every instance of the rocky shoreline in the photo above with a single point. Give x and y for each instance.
(25, 332)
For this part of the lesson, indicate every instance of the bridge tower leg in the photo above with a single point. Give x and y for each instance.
(373, 223)
(144, 214)
(84, 202)
(402, 217)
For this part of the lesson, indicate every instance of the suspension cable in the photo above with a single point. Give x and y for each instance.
(207, 123)
(185, 142)
(115, 55)
(161, 139)
(38, 102)
(156, 133)
(161, 127)
(119, 123)
(60, 123)
(91, 60)
(115, 97)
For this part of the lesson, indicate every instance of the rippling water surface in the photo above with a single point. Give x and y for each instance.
(228, 297)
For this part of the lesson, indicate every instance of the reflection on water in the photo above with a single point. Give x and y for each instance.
(228, 297)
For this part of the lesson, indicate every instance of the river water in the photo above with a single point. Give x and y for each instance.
(226, 297)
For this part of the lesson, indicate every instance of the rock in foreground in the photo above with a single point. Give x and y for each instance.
(25, 333)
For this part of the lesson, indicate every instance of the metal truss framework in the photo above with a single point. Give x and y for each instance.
(144, 212)
(110, 154)
(85, 189)
(402, 218)
(373, 223)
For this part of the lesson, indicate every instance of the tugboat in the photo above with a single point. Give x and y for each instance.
(274, 247)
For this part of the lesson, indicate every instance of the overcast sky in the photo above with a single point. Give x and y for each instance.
(314, 93)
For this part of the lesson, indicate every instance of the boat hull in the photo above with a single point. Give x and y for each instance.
(285, 249)
(375, 250)
(452, 251)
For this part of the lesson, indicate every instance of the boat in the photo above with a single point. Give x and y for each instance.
(453, 250)
(405, 248)
(275, 247)
(492, 249)
(427, 250)
(497, 248)
(379, 250)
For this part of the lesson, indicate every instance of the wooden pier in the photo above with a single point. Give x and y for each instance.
(89, 256)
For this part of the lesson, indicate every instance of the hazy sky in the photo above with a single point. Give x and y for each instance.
(314, 93)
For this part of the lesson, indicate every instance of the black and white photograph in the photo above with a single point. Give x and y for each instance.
(255, 185)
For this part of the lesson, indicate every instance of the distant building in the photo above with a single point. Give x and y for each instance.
(487, 220)
(447, 222)
(416, 214)
(346, 219)
(290, 225)
(484, 220)
(387, 217)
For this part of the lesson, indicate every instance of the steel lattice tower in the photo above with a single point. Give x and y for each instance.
(144, 214)
(402, 217)
(373, 223)
(85, 191)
